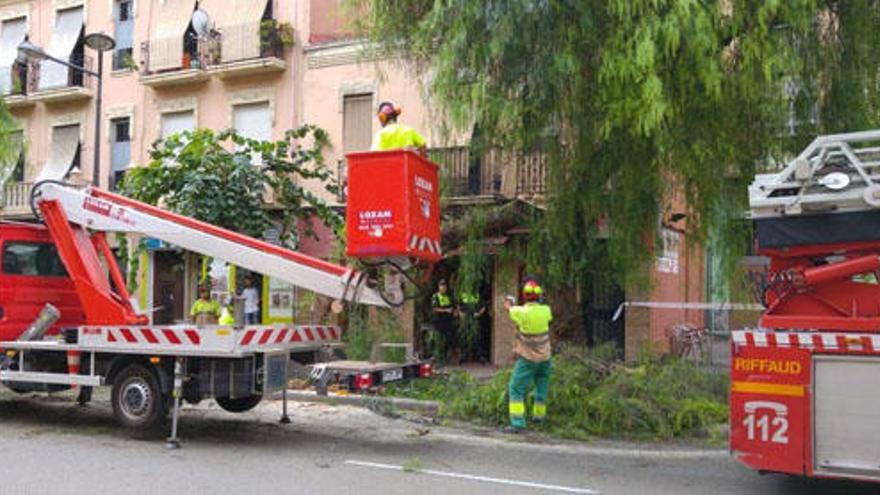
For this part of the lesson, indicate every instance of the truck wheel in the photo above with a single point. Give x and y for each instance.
(239, 405)
(137, 399)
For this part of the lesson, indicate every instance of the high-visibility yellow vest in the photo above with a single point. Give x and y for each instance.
(396, 137)
(226, 317)
(468, 298)
(532, 318)
(202, 306)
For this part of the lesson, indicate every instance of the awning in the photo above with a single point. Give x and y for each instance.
(65, 141)
(166, 41)
(12, 33)
(239, 23)
(68, 28)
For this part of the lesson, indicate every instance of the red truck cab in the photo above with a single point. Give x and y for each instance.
(32, 275)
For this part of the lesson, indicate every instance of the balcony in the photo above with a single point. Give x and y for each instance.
(78, 85)
(494, 174)
(236, 56)
(194, 58)
(17, 97)
(15, 200)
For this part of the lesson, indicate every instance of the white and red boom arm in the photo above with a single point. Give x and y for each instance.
(103, 211)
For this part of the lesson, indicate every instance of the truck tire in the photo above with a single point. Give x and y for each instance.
(239, 405)
(137, 399)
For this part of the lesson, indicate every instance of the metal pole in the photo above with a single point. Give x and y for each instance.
(285, 419)
(96, 177)
(173, 442)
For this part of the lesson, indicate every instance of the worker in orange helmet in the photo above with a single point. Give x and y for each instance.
(532, 349)
(394, 136)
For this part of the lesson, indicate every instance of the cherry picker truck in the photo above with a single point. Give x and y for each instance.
(152, 368)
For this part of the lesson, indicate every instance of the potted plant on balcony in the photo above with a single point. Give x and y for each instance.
(128, 62)
(275, 35)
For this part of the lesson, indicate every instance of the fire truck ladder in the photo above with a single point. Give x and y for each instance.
(835, 173)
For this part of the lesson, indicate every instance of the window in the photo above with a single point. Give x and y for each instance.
(12, 32)
(357, 122)
(63, 153)
(66, 44)
(121, 132)
(124, 24)
(124, 7)
(254, 121)
(14, 171)
(174, 122)
(32, 259)
(120, 148)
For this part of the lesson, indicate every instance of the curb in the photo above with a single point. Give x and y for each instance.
(427, 407)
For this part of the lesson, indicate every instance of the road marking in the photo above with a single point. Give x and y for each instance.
(472, 477)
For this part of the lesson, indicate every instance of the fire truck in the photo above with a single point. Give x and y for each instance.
(804, 384)
(89, 334)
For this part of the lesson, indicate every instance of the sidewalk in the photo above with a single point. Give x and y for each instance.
(481, 372)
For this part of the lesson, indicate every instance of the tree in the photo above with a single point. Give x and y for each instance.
(222, 178)
(10, 147)
(635, 101)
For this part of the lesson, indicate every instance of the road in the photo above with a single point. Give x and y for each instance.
(53, 446)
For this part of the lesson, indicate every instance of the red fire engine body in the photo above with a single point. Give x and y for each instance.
(100, 339)
(804, 397)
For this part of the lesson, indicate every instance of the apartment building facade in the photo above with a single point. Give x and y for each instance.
(262, 67)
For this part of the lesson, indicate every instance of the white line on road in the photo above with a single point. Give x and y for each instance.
(473, 477)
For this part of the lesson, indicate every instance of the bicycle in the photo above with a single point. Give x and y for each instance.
(688, 341)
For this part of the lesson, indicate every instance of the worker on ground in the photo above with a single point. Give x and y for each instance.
(394, 136)
(205, 311)
(444, 318)
(532, 349)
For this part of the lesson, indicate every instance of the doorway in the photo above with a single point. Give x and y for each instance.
(168, 283)
(473, 322)
(600, 303)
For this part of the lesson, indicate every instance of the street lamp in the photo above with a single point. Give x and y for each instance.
(99, 42)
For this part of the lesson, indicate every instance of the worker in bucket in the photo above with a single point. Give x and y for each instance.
(205, 311)
(532, 349)
(394, 136)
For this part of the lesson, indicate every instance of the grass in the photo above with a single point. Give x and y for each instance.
(593, 395)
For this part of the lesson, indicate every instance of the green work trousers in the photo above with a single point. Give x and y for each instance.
(526, 372)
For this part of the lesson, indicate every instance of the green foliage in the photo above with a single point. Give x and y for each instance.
(9, 145)
(637, 101)
(472, 273)
(128, 62)
(222, 178)
(213, 177)
(366, 330)
(358, 338)
(591, 394)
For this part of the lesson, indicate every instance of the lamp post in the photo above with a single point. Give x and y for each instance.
(99, 42)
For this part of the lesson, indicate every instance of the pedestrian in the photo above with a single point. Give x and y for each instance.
(394, 136)
(532, 349)
(205, 311)
(444, 318)
(251, 302)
